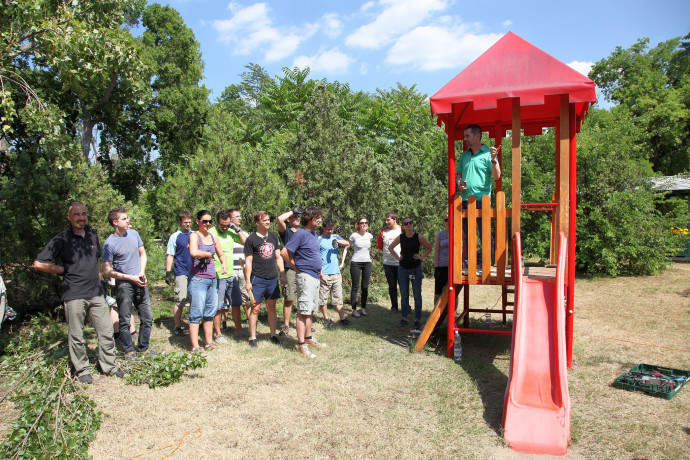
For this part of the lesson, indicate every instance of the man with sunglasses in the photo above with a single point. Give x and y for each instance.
(288, 223)
(410, 270)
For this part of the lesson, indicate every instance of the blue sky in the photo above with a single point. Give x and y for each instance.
(378, 43)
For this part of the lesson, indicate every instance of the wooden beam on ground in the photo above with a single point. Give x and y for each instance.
(436, 314)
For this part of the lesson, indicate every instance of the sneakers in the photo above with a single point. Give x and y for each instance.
(244, 333)
(355, 313)
(119, 373)
(149, 352)
(222, 340)
(345, 322)
(285, 330)
(275, 340)
(179, 331)
(314, 343)
(363, 312)
(253, 344)
(403, 323)
(304, 349)
(328, 323)
(394, 309)
(418, 324)
(131, 356)
(223, 325)
(86, 378)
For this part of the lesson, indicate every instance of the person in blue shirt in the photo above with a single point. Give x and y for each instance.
(333, 286)
(302, 253)
(178, 261)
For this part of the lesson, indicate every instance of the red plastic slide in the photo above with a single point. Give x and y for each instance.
(536, 411)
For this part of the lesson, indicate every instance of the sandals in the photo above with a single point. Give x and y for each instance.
(210, 347)
(197, 350)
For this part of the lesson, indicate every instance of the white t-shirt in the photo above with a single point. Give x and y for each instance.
(360, 246)
(389, 235)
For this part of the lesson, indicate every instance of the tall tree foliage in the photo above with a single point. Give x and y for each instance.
(179, 106)
(654, 86)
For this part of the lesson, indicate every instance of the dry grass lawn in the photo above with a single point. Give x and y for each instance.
(367, 396)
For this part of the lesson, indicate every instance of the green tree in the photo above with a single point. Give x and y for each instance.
(654, 86)
(179, 106)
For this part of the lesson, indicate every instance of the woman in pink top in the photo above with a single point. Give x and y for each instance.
(203, 285)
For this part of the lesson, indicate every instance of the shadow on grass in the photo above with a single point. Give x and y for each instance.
(480, 352)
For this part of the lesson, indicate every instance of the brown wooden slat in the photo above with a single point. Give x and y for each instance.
(457, 240)
(439, 308)
(486, 238)
(472, 239)
(501, 247)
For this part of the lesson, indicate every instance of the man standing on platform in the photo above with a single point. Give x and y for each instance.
(477, 165)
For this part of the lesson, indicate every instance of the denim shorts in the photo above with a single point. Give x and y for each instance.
(203, 299)
(229, 293)
(264, 289)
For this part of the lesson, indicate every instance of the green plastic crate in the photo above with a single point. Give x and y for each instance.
(633, 381)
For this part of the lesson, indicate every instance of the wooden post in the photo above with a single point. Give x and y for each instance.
(570, 279)
(517, 166)
(486, 239)
(564, 167)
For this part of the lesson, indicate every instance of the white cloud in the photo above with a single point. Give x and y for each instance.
(330, 61)
(397, 18)
(582, 67)
(331, 25)
(507, 23)
(367, 6)
(250, 30)
(439, 47)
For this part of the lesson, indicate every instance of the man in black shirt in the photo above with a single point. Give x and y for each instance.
(262, 254)
(77, 250)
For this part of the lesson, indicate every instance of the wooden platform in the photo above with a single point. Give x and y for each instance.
(530, 272)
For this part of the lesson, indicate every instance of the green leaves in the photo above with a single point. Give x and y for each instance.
(161, 370)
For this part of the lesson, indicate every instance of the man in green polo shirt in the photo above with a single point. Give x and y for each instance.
(477, 165)
(228, 286)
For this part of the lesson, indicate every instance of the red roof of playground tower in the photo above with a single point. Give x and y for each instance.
(511, 68)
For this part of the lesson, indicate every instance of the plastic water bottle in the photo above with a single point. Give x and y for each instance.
(457, 347)
(487, 318)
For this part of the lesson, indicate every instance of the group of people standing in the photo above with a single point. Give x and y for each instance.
(306, 266)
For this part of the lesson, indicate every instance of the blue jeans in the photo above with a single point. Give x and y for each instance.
(203, 299)
(127, 295)
(404, 280)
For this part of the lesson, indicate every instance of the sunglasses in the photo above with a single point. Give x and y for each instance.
(408, 223)
(207, 221)
(364, 223)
